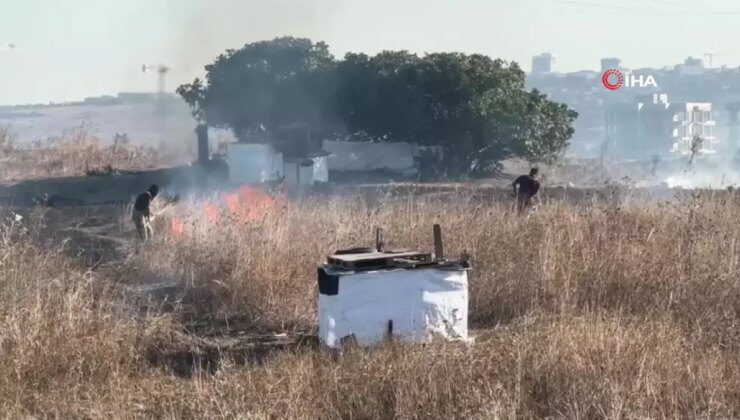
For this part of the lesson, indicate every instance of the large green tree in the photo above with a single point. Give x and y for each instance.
(267, 91)
(474, 110)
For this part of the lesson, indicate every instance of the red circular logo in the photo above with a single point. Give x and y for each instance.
(608, 79)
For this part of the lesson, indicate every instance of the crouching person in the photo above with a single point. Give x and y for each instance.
(526, 188)
(141, 215)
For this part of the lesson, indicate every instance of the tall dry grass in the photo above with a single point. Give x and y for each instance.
(564, 260)
(580, 311)
(74, 153)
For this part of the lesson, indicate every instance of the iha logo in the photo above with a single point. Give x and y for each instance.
(614, 79)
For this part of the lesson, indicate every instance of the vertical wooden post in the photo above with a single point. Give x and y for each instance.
(379, 239)
(201, 132)
(438, 249)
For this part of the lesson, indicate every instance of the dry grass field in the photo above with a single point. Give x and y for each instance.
(585, 310)
(76, 153)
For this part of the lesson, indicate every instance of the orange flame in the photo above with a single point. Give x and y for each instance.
(177, 226)
(213, 213)
(232, 202)
(248, 204)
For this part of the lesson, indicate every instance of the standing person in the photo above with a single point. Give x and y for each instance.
(525, 188)
(141, 216)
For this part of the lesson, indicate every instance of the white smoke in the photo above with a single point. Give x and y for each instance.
(710, 175)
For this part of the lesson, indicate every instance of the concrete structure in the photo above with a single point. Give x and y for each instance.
(299, 172)
(253, 163)
(542, 63)
(367, 156)
(401, 302)
(651, 126)
(320, 167)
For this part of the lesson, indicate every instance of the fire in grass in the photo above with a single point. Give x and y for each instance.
(246, 205)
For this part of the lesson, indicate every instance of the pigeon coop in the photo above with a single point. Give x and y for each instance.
(368, 295)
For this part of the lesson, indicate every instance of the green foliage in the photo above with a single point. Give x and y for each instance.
(265, 88)
(292, 92)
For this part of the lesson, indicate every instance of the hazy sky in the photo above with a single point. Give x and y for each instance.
(70, 49)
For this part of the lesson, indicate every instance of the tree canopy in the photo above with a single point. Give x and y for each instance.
(294, 93)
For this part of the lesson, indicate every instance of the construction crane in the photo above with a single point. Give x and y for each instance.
(162, 72)
(9, 46)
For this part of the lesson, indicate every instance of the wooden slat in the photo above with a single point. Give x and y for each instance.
(377, 255)
(378, 259)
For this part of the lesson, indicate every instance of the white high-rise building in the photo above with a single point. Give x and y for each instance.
(542, 63)
(694, 133)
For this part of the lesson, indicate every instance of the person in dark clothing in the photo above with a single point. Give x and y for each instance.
(525, 188)
(142, 214)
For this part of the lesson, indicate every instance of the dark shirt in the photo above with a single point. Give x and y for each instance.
(142, 202)
(527, 185)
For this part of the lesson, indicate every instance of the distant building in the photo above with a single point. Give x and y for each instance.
(733, 126)
(694, 132)
(691, 66)
(610, 63)
(542, 63)
(642, 129)
(100, 100)
(137, 96)
(652, 126)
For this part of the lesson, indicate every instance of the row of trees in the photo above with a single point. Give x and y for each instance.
(294, 93)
